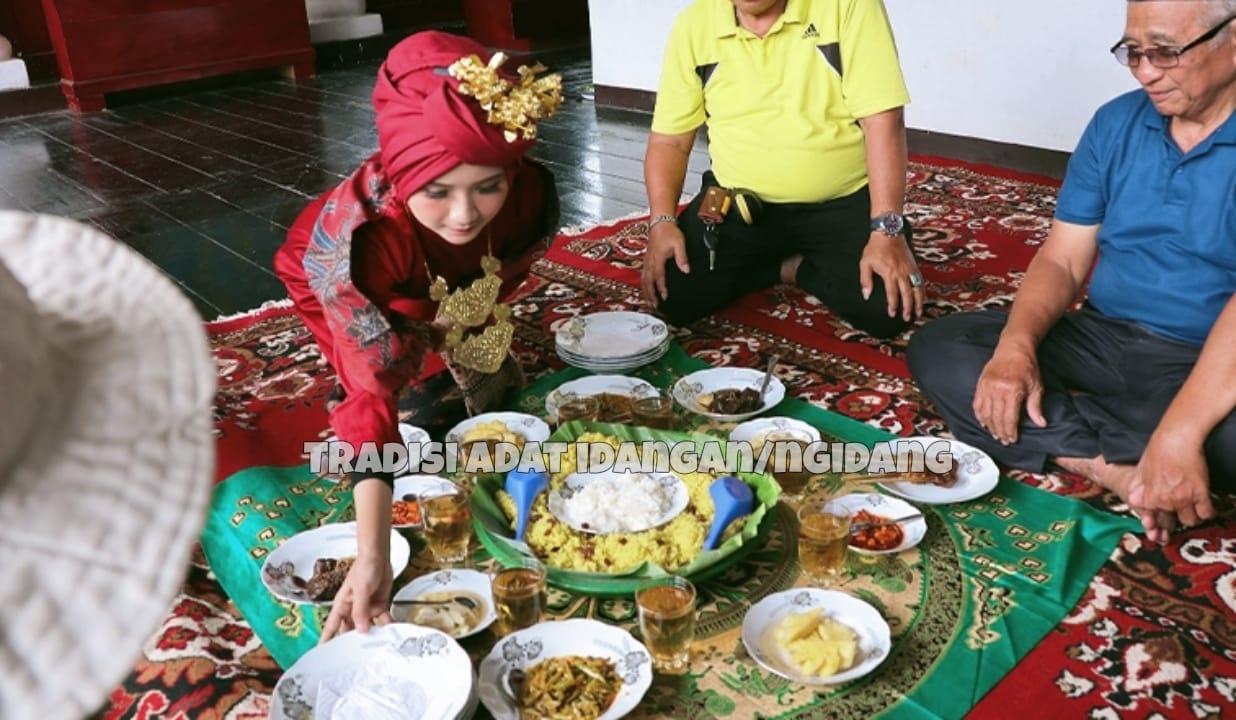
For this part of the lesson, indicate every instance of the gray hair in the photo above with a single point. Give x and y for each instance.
(1220, 11)
(1216, 12)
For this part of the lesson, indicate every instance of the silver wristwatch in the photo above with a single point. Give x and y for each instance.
(890, 223)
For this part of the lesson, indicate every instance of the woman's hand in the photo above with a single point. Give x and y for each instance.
(364, 598)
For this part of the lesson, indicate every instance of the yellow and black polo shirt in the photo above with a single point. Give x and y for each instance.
(782, 110)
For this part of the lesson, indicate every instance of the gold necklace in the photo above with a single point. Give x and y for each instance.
(472, 307)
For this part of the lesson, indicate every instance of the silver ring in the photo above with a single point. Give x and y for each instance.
(916, 280)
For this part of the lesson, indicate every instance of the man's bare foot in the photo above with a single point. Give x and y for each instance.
(1111, 476)
(1119, 479)
(789, 269)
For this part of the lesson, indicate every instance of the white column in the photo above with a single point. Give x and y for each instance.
(13, 75)
(331, 20)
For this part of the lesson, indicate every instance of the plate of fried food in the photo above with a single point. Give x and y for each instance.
(309, 567)
(729, 394)
(479, 437)
(583, 669)
(614, 394)
(942, 471)
(459, 602)
(816, 637)
(882, 524)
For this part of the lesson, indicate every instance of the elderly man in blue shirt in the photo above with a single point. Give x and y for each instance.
(1136, 389)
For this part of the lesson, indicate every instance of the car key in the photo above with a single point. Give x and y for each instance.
(710, 242)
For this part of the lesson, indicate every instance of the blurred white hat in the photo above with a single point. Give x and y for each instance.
(106, 460)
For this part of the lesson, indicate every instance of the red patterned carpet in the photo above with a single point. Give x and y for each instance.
(1155, 635)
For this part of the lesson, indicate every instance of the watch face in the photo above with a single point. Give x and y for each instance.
(890, 223)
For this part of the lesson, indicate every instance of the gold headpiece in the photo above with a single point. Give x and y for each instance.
(471, 307)
(516, 108)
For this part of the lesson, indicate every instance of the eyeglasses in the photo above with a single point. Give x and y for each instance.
(1162, 57)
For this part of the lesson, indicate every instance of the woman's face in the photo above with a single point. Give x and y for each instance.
(460, 203)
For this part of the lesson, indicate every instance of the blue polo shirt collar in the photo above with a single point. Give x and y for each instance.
(1225, 134)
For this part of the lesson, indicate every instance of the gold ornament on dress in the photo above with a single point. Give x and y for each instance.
(472, 307)
(515, 107)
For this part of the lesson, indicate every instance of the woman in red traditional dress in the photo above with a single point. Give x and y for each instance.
(448, 190)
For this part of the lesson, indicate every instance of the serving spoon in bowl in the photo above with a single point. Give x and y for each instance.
(511, 680)
(731, 499)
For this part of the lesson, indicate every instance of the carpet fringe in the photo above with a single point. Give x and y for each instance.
(268, 305)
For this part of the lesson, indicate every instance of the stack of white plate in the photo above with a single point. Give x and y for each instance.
(393, 671)
(612, 341)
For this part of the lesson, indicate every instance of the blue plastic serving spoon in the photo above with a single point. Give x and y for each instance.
(731, 498)
(523, 487)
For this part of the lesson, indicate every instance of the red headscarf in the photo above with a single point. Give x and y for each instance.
(425, 125)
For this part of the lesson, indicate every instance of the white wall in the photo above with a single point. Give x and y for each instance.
(1028, 73)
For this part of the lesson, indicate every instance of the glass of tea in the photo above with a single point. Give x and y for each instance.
(578, 407)
(448, 525)
(787, 461)
(653, 409)
(823, 540)
(520, 592)
(667, 621)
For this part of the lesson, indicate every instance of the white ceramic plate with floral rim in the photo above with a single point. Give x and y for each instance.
(413, 437)
(606, 335)
(673, 489)
(289, 566)
(595, 385)
(691, 391)
(525, 648)
(457, 581)
(771, 429)
(870, 628)
(617, 365)
(889, 507)
(410, 488)
(977, 473)
(393, 671)
(530, 427)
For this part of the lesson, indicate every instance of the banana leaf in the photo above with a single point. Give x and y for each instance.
(495, 532)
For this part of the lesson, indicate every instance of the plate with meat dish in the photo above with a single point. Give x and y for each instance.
(970, 472)
(309, 567)
(729, 394)
(613, 392)
(874, 529)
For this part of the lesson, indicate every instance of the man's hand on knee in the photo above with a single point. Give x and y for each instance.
(1009, 382)
(665, 241)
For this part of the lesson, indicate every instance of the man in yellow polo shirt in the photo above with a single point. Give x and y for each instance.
(803, 102)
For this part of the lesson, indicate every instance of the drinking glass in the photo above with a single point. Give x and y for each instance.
(448, 525)
(653, 409)
(667, 621)
(823, 540)
(520, 593)
(578, 407)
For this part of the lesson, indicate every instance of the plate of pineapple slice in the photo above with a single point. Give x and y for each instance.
(816, 637)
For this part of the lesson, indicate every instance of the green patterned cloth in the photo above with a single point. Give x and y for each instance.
(991, 578)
